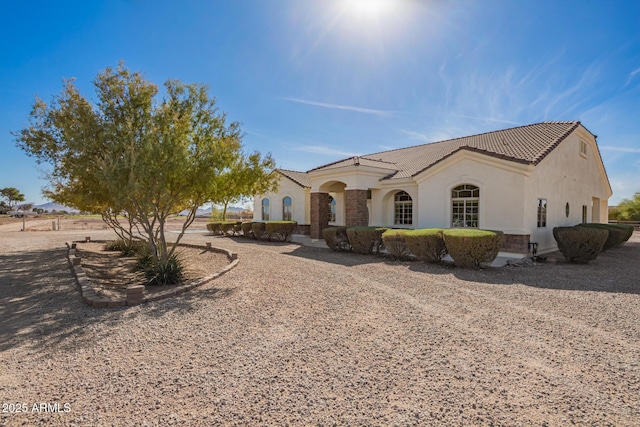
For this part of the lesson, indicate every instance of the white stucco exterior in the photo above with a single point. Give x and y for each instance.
(510, 191)
(299, 202)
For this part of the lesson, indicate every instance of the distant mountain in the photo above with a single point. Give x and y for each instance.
(55, 206)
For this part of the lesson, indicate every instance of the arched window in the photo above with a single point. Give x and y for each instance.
(403, 208)
(465, 204)
(265, 209)
(332, 209)
(286, 209)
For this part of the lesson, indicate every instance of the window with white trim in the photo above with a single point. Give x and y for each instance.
(465, 206)
(542, 213)
(332, 209)
(403, 205)
(286, 209)
(583, 148)
(584, 213)
(265, 209)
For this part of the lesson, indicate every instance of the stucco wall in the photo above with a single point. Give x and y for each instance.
(299, 204)
(501, 193)
(565, 176)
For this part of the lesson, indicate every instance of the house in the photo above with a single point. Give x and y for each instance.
(522, 181)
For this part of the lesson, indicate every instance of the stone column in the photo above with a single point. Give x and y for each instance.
(356, 208)
(319, 214)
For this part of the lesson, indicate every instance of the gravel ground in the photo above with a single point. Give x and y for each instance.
(304, 336)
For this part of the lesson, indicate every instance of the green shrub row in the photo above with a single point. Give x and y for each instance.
(366, 240)
(468, 247)
(275, 231)
(580, 244)
(336, 238)
(618, 233)
(225, 228)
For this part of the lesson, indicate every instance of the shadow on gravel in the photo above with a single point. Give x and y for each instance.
(345, 259)
(40, 302)
(616, 270)
(42, 308)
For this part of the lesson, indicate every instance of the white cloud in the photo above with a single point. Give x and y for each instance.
(343, 107)
(324, 150)
(619, 149)
(631, 76)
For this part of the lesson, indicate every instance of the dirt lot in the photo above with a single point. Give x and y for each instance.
(304, 336)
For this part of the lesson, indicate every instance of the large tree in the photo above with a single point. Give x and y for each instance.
(629, 209)
(137, 159)
(12, 195)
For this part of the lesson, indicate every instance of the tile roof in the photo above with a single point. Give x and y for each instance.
(300, 178)
(524, 144)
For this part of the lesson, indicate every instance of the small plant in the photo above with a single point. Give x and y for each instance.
(395, 243)
(127, 248)
(471, 247)
(366, 240)
(580, 244)
(426, 244)
(280, 231)
(160, 273)
(337, 239)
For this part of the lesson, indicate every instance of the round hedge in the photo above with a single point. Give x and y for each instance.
(472, 247)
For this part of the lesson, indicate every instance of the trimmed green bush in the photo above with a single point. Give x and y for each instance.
(246, 228)
(366, 240)
(214, 227)
(471, 247)
(259, 230)
(336, 238)
(395, 243)
(580, 244)
(617, 234)
(426, 244)
(227, 228)
(280, 231)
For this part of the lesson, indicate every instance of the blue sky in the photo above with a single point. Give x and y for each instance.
(313, 81)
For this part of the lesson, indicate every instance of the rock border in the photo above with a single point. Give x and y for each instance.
(135, 294)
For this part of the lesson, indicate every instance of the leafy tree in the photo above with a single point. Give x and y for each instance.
(12, 195)
(133, 158)
(4, 208)
(629, 209)
(250, 174)
(25, 207)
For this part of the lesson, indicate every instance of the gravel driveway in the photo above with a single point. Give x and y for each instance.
(304, 336)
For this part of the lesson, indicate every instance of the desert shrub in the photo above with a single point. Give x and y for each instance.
(617, 235)
(159, 273)
(426, 244)
(366, 240)
(580, 244)
(259, 230)
(336, 238)
(471, 247)
(127, 248)
(280, 231)
(227, 228)
(246, 230)
(395, 243)
(214, 227)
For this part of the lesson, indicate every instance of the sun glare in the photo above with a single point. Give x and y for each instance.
(371, 8)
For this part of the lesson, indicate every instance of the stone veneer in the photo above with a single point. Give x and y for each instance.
(516, 243)
(356, 212)
(135, 294)
(319, 214)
